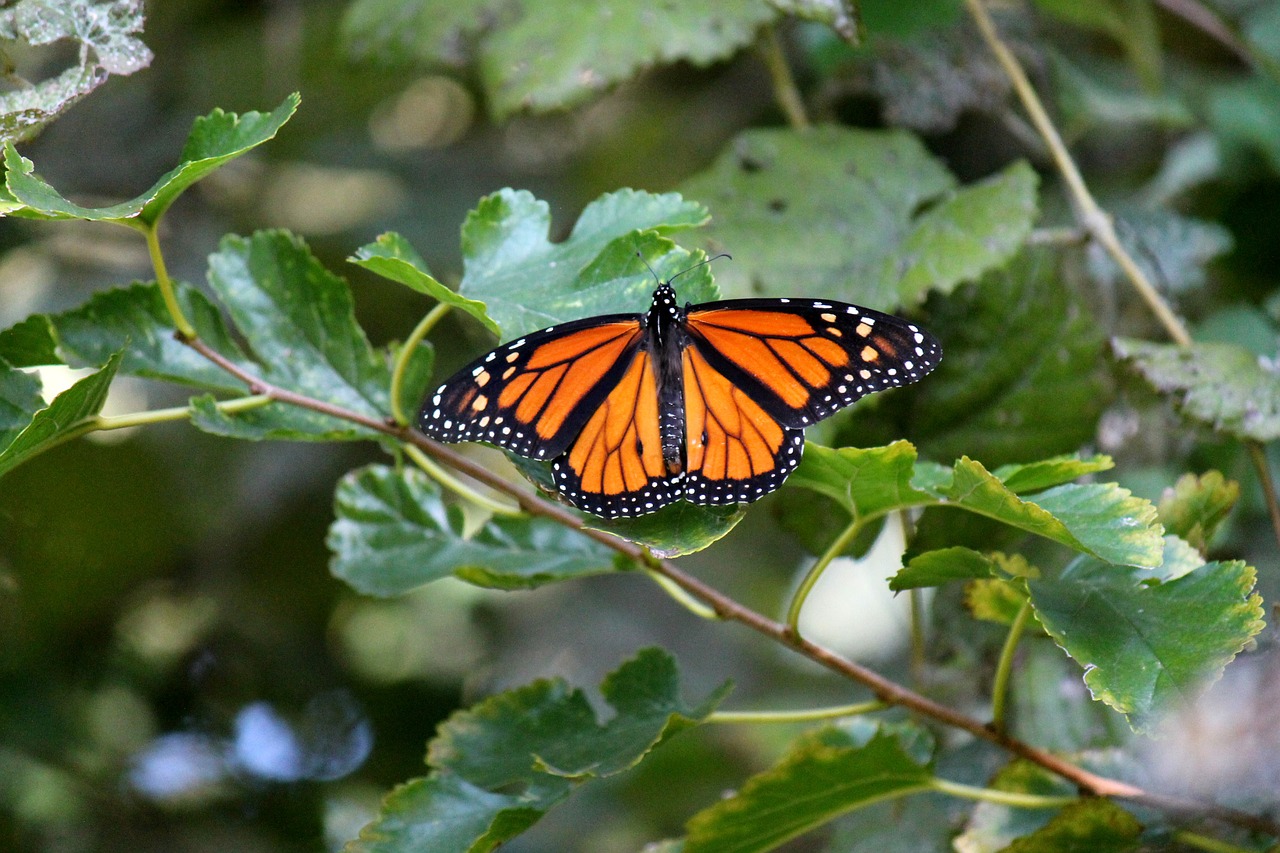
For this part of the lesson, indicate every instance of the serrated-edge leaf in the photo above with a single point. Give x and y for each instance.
(527, 282)
(1034, 476)
(865, 481)
(391, 256)
(214, 140)
(976, 229)
(59, 421)
(1150, 644)
(392, 533)
(501, 764)
(1104, 520)
(1221, 385)
(135, 320)
(299, 321)
(818, 780)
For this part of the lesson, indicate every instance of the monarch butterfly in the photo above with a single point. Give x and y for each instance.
(705, 403)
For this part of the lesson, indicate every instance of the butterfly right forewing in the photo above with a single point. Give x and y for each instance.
(534, 395)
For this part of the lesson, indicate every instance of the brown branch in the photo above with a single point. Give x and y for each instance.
(728, 609)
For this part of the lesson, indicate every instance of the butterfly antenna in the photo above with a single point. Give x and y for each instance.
(690, 269)
(646, 263)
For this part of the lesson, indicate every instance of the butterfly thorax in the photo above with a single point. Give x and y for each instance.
(664, 337)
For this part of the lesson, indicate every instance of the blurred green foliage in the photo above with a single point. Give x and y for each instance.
(179, 669)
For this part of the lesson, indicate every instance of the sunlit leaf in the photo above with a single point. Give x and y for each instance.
(1100, 519)
(1034, 476)
(58, 421)
(214, 140)
(105, 34)
(865, 481)
(391, 256)
(527, 282)
(1150, 644)
(1195, 507)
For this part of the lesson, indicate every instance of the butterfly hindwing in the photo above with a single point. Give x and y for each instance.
(534, 395)
(735, 451)
(615, 466)
(802, 360)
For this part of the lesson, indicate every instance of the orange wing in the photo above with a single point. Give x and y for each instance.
(532, 396)
(615, 466)
(735, 450)
(802, 360)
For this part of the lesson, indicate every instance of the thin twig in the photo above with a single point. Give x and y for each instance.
(726, 608)
(1258, 456)
(1089, 213)
(784, 84)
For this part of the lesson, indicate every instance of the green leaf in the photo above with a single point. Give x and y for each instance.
(29, 343)
(214, 140)
(972, 230)
(59, 421)
(1104, 520)
(995, 599)
(527, 282)
(1221, 385)
(500, 765)
(104, 34)
(935, 568)
(1243, 113)
(822, 213)
(825, 775)
(1132, 23)
(1024, 376)
(865, 481)
(675, 530)
(1034, 476)
(1093, 824)
(836, 212)
(134, 320)
(393, 533)
(1150, 644)
(299, 322)
(551, 55)
(391, 256)
(993, 826)
(1195, 507)
(1170, 248)
(19, 401)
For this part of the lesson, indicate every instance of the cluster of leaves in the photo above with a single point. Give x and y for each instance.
(1110, 608)
(1120, 586)
(106, 33)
